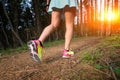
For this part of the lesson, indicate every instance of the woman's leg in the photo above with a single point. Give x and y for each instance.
(55, 21)
(69, 18)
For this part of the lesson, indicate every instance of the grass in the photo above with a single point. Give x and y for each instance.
(53, 43)
(14, 51)
(106, 50)
(92, 56)
(24, 48)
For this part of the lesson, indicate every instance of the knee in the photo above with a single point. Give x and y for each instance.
(54, 27)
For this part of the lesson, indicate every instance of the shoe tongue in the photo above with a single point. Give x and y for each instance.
(40, 43)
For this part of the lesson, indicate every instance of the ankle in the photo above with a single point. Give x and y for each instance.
(66, 49)
(40, 42)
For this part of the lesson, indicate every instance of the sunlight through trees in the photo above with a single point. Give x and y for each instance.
(22, 20)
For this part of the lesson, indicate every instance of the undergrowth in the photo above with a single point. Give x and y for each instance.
(24, 48)
(106, 57)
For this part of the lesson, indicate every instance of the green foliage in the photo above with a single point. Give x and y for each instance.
(99, 66)
(87, 57)
(109, 46)
(113, 39)
(107, 49)
(91, 57)
(53, 43)
(116, 45)
(117, 71)
(15, 50)
(24, 48)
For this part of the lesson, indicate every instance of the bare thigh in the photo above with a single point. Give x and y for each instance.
(55, 18)
(69, 13)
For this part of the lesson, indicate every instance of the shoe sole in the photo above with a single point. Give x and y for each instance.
(66, 57)
(33, 54)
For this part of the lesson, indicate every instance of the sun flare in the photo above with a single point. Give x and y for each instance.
(110, 16)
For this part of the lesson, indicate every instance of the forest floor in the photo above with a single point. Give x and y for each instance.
(88, 63)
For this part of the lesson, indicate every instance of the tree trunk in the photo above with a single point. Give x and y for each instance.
(6, 38)
(81, 19)
(108, 26)
(115, 28)
(14, 6)
(101, 22)
(15, 20)
(11, 26)
(92, 17)
(95, 18)
(36, 4)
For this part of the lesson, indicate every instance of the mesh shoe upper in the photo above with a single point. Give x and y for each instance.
(36, 50)
(67, 53)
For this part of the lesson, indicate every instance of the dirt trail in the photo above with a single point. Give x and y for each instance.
(53, 67)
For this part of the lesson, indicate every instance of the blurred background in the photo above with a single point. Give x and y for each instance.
(23, 20)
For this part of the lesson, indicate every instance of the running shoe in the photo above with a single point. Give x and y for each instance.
(67, 53)
(35, 50)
